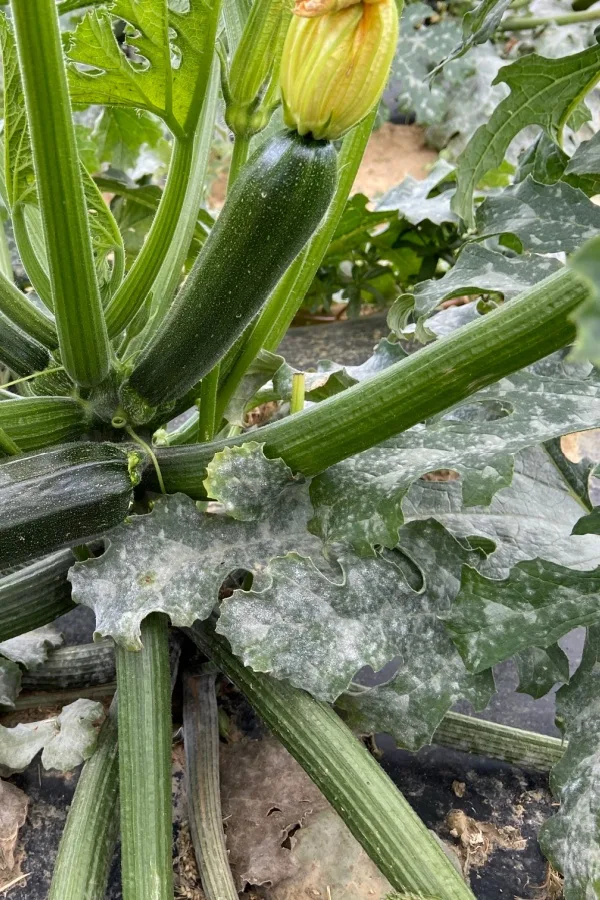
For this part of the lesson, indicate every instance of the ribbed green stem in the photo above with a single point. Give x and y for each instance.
(81, 665)
(235, 13)
(521, 748)
(297, 399)
(241, 149)
(287, 297)
(144, 681)
(34, 422)
(35, 595)
(356, 786)
(207, 407)
(89, 837)
(85, 349)
(18, 351)
(445, 372)
(140, 278)
(7, 445)
(30, 255)
(201, 739)
(525, 23)
(25, 316)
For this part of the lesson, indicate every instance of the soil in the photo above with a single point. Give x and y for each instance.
(393, 152)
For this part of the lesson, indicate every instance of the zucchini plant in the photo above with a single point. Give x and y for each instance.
(323, 549)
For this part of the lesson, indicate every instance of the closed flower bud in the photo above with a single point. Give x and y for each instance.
(335, 65)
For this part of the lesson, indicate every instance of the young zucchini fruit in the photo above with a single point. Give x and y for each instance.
(272, 210)
(62, 497)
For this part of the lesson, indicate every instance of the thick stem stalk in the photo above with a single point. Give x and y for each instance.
(241, 149)
(144, 685)
(201, 739)
(90, 834)
(356, 786)
(35, 595)
(84, 345)
(440, 375)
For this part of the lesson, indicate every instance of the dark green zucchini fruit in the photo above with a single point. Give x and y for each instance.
(19, 352)
(61, 497)
(272, 210)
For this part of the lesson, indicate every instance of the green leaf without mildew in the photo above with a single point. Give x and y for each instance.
(571, 838)
(587, 264)
(543, 92)
(586, 159)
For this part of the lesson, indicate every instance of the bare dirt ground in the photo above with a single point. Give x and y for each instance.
(393, 152)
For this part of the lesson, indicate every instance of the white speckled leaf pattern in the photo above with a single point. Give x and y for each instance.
(411, 196)
(547, 218)
(10, 682)
(359, 501)
(66, 740)
(32, 649)
(318, 632)
(246, 483)
(175, 559)
(571, 838)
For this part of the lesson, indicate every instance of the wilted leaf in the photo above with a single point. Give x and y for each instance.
(66, 740)
(175, 559)
(331, 378)
(547, 218)
(534, 606)
(246, 483)
(318, 633)
(540, 669)
(10, 682)
(481, 271)
(411, 197)
(542, 93)
(358, 500)
(162, 83)
(32, 649)
(571, 838)
(587, 316)
(13, 812)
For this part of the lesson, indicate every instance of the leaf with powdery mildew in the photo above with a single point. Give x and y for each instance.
(546, 218)
(542, 92)
(478, 25)
(530, 519)
(175, 559)
(358, 500)
(246, 483)
(536, 605)
(66, 740)
(32, 649)
(10, 682)
(479, 270)
(318, 632)
(411, 197)
(540, 669)
(571, 838)
(586, 159)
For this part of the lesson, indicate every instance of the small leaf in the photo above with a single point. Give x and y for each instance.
(479, 270)
(355, 227)
(540, 669)
(245, 482)
(547, 163)
(175, 559)
(10, 682)
(542, 92)
(66, 740)
(260, 371)
(571, 838)
(359, 500)
(546, 218)
(32, 649)
(411, 197)
(478, 25)
(318, 632)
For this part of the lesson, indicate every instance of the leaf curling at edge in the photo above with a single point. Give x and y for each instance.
(175, 559)
(318, 633)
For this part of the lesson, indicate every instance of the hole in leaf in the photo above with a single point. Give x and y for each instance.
(287, 842)
(273, 810)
